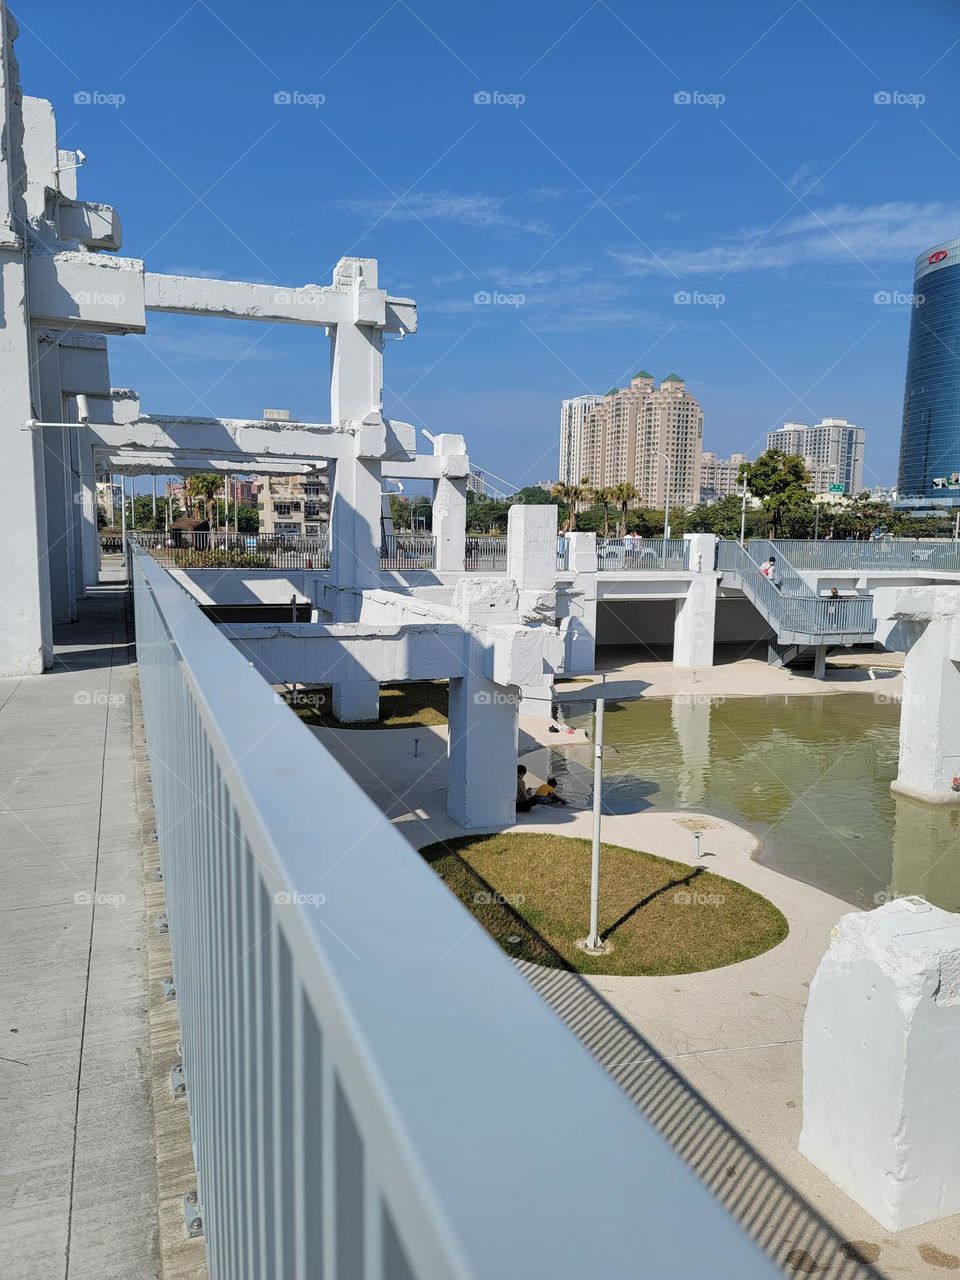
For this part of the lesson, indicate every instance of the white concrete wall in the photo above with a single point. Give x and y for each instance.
(881, 1063)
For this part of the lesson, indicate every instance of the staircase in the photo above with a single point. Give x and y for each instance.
(799, 618)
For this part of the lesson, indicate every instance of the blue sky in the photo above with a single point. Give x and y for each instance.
(782, 197)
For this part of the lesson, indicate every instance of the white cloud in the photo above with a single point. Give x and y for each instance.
(894, 233)
(490, 212)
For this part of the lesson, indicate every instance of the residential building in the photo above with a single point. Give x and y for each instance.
(641, 434)
(830, 443)
(930, 434)
(109, 499)
(572, 414)
(718, 476)
(294, 505)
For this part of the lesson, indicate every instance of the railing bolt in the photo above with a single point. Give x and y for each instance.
(193, 1214)
(163, 925)
(169, 989)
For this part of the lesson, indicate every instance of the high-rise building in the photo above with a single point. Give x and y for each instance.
(718, 476)
(572, 413)
(830, 443)
(930, 435)
(640, 435)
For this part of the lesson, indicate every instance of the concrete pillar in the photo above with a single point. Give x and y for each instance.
(89, 534)
(450, 502)
(820, 662)
(482, 753)
(356, 700)
(532, 564)
(57, 481)
(26, 638)
(355, 532)
(450, 522)
(925, 622)
(881, 1055)
(693, 631)
(577, 605)
(537, 701)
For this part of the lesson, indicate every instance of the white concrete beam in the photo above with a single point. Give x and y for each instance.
(73, 289)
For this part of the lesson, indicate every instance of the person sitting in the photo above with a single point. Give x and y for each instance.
(547, 793)
(525, 801)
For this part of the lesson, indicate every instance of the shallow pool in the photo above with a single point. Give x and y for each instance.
(810, 776)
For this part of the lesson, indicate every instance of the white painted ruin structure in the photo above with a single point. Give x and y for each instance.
(881, 1060)
(925, 621)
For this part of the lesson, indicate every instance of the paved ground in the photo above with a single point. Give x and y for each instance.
(77, 1163)
(850, 671)
(713, 1058)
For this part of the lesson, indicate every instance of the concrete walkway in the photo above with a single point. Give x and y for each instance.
(77, 1162)
(712, 1058)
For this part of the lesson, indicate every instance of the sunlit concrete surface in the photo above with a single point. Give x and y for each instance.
(77, 1164)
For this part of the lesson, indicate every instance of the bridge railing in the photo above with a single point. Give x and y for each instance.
(374, 1090)
(884, 553)
(642, 553)
(803, 615)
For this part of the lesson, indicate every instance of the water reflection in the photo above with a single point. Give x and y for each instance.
(810, 776)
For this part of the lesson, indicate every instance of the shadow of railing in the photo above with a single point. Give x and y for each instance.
(767, 1207)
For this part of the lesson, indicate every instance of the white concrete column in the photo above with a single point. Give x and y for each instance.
(693, 629)
(532, 564)
(482, 753)
(26, 638)
(356, 700)
(577, 605)
(355, 532)
(89, 533)
(450, 522)
(925, 622)
(881, 1056)
(56, 474)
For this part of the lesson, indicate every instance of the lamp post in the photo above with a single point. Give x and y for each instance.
(593, 941)
(743, 514)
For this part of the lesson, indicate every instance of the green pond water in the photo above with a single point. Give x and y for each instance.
(810, 776)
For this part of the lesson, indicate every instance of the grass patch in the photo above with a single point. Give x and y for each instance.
(415, 705)
(531, 892)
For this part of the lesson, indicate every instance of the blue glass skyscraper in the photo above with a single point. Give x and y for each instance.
(930, 436)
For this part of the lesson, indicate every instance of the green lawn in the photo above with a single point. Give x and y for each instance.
(417, 704)
(531, 892)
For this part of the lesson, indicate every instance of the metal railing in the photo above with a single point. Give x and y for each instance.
(884, 553)
(485, 553)
(641, 553)
(111, 544)
(795, 614)
(360, 1059)
(185, 549)
(408, 551)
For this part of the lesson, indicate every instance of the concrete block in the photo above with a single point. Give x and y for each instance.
(356, 701)
(482, 753)
(489, 600)
(532, 546)
(881, 1062)
(693, 632)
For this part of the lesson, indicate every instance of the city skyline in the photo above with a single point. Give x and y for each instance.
(550, 253)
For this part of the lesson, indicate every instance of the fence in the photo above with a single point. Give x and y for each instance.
(641, 553)
(885, 553)
(374, 1091)
(183, 549)
(486, 554)
(407, 551)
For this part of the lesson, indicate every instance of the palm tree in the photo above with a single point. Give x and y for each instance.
(204, 489)
(572, 496)
(606, 499)
(623, 494)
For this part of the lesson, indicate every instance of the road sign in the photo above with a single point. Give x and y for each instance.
(836, 488)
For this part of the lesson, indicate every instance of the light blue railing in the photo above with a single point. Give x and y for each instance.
(641, 553)
(886, 553)
(796, 615)
(375, 1092)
